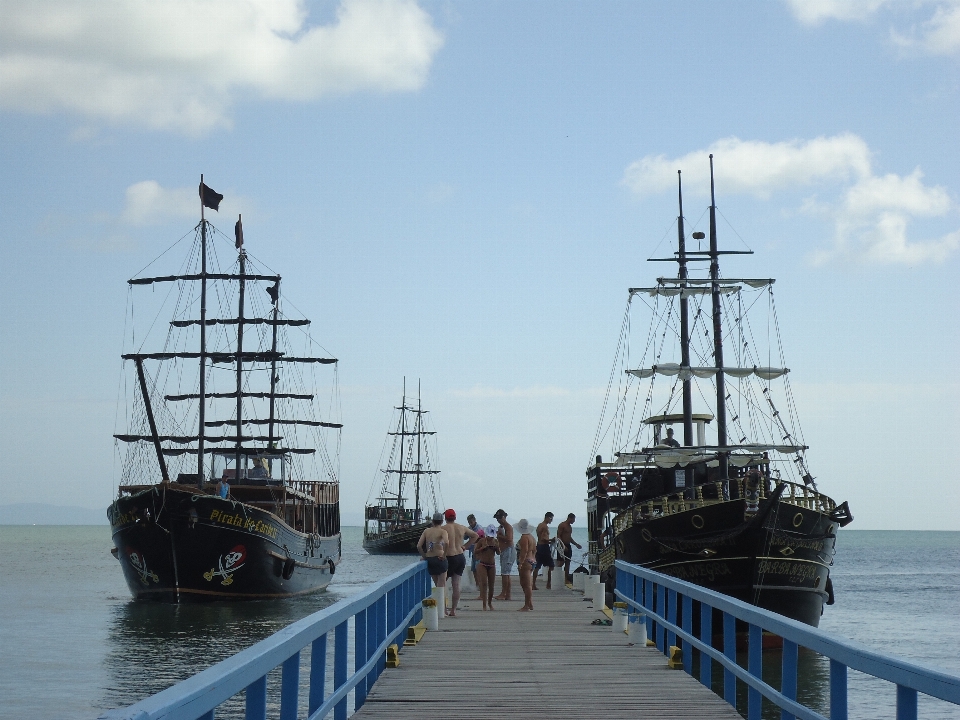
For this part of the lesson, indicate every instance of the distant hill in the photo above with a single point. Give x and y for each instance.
(42, 514)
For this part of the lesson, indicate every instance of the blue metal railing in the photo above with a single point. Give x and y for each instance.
(380, 616)
(658, 597)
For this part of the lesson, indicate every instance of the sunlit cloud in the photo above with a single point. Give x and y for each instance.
(937, 34)
(871, 213)
(181, 65)
(148, 203)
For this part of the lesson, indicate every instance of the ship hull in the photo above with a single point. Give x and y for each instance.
(778, 560)
(400, 542)
(175, 545)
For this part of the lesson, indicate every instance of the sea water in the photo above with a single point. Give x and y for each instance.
(73, 643)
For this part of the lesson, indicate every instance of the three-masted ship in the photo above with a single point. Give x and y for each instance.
(739, 512)
(251, 511)
(392, 523)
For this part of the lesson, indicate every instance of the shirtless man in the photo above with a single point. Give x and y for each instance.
(508, 553)
(432, 547)
(565, 535)
(456, 560)
(544, 556)
(527, 562)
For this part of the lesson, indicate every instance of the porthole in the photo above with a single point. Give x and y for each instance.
(697, 522)
(645, 534)
(798, 520)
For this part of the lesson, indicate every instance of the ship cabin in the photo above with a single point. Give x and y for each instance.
(636, 478)
(390, 515)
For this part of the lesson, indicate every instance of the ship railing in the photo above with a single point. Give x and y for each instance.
(379, 617)
(663, 599)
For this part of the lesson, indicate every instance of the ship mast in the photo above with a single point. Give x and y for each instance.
(684, 337)
(403, 434)
(419, 444)
(243, 269)
(203, 340)
(275, 296)
(717, 333)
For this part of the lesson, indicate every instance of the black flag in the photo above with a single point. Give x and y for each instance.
(238, 232)
(274, 291)
(210, 198)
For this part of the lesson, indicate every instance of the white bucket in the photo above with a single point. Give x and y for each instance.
(431, 616)
(599, 594)
(578, 579)
(439, 594)
(637, 629)
(619, 620)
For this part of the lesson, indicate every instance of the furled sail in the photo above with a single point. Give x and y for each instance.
(752, 282)
(311, 423)
(686, 372)
(236, 321)
(683, 292)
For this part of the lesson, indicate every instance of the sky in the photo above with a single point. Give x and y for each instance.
(462, 193)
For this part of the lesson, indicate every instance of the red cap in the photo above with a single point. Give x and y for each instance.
(450, 514)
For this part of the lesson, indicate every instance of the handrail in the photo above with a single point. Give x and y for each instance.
(380, 615)
(659, 596)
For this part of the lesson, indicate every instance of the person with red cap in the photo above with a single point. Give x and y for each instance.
(456, 561)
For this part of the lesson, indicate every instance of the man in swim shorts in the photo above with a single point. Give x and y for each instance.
(544, 556)
(565, 535)
(456, 561)
(508, 553)
(432, 547)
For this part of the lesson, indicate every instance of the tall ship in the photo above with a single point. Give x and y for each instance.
(229, 483)
(404, 499)
(730, 504)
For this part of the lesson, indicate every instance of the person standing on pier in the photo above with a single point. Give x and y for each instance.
(456, 560)
(527, 554)
(508, 553)
(475, 526)
(432, 547)
(485, 551)
(544, 556)
(565, 535)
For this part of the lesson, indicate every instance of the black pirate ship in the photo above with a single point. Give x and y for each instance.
(393, 520)
(251, 511)
(739, 512)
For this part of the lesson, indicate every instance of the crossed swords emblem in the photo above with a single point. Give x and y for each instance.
(227, 565)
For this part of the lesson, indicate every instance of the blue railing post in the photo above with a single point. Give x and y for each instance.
(360, 655)
(706, 635)
(686, 609)
(755, 668)
(257, 699)
(730, 651)
(373, 640)
(906, 703)
(290, 687)
(662, 612)
(838, 690)
(393, 615)
(318, 673)
(382, 632)
(648, 604)
(788, 675)
(340, 667)
(671, 618)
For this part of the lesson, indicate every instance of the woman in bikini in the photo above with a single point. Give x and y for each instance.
(432, 547)
(526, 553)
(485, 552)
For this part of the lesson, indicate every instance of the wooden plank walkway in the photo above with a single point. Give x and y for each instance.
(548, 663)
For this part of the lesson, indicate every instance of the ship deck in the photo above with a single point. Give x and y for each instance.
(551, 662)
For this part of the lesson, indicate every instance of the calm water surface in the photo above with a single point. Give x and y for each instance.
(75, 644)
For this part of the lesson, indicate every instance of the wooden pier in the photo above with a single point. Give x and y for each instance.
(551, 662)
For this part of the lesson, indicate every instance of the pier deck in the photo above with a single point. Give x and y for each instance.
(551, 662)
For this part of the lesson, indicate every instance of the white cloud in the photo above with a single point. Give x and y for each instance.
(814, 12)
(938, 35)
(871, 213)
(181, 64)
(755, 167)
(147, 203)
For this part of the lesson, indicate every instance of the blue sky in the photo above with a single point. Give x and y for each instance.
(463, 192)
